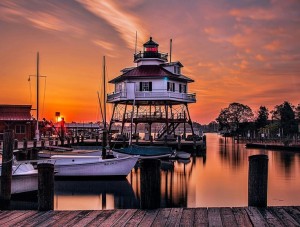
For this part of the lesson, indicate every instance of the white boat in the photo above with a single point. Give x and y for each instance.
(92, 166)
(24, 178)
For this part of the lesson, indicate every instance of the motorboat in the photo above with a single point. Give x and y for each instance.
(92, 166)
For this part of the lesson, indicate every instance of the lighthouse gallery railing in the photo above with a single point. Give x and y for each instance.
(155, 95)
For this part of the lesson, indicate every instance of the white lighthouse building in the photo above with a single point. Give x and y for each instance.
(155, 91)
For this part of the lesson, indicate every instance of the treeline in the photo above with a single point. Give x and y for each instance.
(281, 122)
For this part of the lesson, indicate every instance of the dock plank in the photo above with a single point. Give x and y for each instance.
(124, 218)
(59, 218)
(214, 217)
(201, 217)
(241, 217)
(294, 212)
(287, 219)
(174, 217)
(102, 215)
(187, 217)
(271, 219)
(255, 217)
(85, 220)
(113, 218)
(15, 217)
(227, 217)
(162, 217)
(149, 217)
(136, 218)
(30, 220)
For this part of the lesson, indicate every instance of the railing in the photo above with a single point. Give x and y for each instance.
(140, 55)
(159, 95)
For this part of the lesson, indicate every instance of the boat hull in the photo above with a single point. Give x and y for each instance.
(68, 166)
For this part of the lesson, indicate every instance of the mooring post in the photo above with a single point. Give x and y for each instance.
(24, 144)
(42, 143)
(97, 139)
(45, 186)
(258, 180)
(16, 144)
(77, 140)
(50, 142)
(179, 142)
(73, 140)
(166, 139)
(34, 143)
(150, 183)
(6, 171)
(69, 141)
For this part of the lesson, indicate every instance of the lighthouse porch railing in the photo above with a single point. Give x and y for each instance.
(153, 95)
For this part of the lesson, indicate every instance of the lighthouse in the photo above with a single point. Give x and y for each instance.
(154, 92)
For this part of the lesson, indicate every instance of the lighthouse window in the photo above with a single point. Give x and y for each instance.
(184, 88)
(170, 86)
(145, 86)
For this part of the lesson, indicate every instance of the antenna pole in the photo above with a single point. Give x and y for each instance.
(37, 133)
(170, 50)
(135, 42)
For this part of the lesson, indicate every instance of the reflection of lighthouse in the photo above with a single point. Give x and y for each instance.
(155, 91)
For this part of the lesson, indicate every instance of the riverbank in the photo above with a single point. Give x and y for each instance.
(273, 147)
(226, 216)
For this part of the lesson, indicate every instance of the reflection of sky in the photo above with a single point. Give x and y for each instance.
(243, 51)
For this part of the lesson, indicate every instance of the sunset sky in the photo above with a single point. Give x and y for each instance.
(245, 51)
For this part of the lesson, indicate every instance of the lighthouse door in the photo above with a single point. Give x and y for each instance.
(130, 88)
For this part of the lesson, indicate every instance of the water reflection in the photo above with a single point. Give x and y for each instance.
(94, 194)
(215, 179)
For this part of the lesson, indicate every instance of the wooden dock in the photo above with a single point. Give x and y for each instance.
(238, 216)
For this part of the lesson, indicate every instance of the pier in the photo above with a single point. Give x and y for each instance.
(225, 216)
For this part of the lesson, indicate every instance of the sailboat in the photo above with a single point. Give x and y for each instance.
(94, 166)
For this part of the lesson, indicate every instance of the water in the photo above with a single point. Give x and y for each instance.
(218, 179)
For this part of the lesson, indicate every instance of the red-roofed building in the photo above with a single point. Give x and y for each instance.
(17, 118)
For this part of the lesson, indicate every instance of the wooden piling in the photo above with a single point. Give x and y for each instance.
(77, 139)
(179, 142)
(73, 140)
(42, 143)
(16, 144)
(45, 186)
(150, 183)
(6, 171)
(68, 141)
(25, 144)
(34, 143)
(258, 180)
(97, 139)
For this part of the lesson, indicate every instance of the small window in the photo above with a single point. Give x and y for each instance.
(180, 88)
(20, 129)
(145, 86)
(170, 86)
(184, 88)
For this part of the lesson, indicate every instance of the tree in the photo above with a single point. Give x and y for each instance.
(297, 112)
(262, 117)
(232, 116)
(285, 114)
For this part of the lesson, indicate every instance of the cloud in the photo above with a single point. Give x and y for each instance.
(126, 24)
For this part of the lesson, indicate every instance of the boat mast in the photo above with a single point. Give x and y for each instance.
(104, 135)
(37, 133)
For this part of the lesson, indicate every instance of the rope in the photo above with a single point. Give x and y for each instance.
(7, 161)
